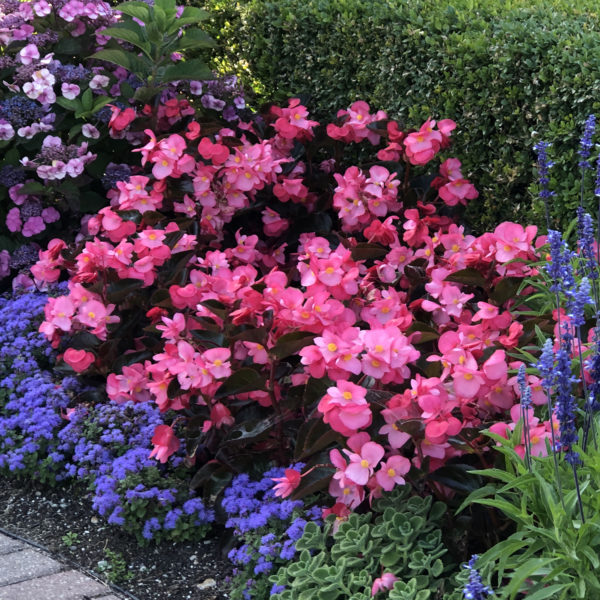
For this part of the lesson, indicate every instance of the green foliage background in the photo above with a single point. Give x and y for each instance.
(508, 72)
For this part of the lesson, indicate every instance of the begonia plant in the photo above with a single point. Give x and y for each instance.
(284, 303)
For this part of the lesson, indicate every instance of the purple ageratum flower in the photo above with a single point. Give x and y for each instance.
(585, 144)
(150, 527)
(474, 589)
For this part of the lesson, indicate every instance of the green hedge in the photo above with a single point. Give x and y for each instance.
(509, 73)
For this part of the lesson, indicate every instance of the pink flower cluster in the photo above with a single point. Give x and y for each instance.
(358, 199)
(355, 124)
(413, 356)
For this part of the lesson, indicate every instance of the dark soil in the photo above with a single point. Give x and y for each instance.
(61, 520)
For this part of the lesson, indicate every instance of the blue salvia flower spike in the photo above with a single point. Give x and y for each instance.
(585, 147)
(585, 144)
(545, 366)
(566, 407)
(544, 166)
(525, 392)
(587, 256)
(474, 589)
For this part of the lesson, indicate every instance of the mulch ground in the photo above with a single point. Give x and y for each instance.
(61, 520)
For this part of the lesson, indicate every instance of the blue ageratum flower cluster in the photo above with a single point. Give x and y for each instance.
(105, 446)
(109, 445)
(31, 400)
(267, 528)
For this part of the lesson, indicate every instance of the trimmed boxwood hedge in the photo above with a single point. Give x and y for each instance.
(508, 72)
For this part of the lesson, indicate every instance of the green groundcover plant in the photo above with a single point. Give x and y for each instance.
(397, 546)
(552, 553)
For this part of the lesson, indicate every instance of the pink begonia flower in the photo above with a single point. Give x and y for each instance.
(165, 443)
(363, 463)
(89, 131)
(390, 472)
(385, 582)
(78, 360)
(274, 224)
(287, 484)
(59, 311)
(257, 352)
(13, 220)
(345, 408)
(217, 362)
(70, 90)
(29, 54)
(50, 215)
(450, 169)
(539, 434)
(92, 313)
(220, 415)
(33, 226)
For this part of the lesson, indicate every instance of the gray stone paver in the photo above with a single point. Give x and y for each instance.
(8, 544)
(26, 564)
(28, 574)
(67, 585)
